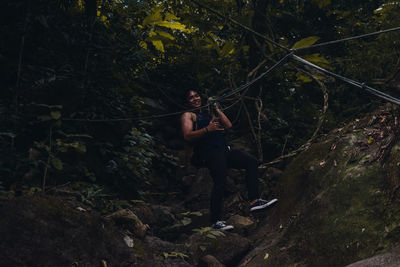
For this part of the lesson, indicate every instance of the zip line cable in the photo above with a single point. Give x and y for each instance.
(347, 39)
(237, 90)
(283, 47)
(350, 81)
(240, 24)
(357, 84)
(244, 86)
(262, 75)
(138, 118)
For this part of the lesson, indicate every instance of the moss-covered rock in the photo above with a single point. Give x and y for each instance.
(47, 231)
(338, 200)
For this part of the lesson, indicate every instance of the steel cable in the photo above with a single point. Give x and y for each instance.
(350, 81)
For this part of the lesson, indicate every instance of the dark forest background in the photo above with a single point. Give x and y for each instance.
(77, 75)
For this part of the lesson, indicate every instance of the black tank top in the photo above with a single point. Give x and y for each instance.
(210, 139)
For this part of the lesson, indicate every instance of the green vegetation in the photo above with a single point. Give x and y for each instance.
(86, 85)
(77, 74)
(345, 194)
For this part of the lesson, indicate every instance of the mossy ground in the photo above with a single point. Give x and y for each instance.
(339, 196)
(47, 231)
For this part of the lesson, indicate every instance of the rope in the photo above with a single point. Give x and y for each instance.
(240, 24)
(347, 39)
(357, 84)
(138, 118)
(262, 75)
(244, 86)
(283, 47)
(237, 90)
(350, 81)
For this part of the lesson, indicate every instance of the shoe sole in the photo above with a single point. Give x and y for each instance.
(269, 203)
(229, 227)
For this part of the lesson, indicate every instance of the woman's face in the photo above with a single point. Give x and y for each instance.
(194, 99)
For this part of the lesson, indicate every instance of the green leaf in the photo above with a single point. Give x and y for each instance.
(211, 236)
(217, 233)
(158, 45)
(78, 135)
(266, 256)
(189, 213)
(305, 42)
(303, 78)
(153, 17)
(49, 106)
(182, 255)
(57, 164)
(245, 48)
(55, 114)
(170, 16)
(165, 34)
(228, 49)
(79, 147)
(202, 230)
(171, 25)
(143, 44)
(9, 134)
(44, 118)
(175, 254)
(321, 3)
(185, 221)
(138, 201)
(317, 59)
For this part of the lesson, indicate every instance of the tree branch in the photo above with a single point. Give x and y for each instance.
(306, 145)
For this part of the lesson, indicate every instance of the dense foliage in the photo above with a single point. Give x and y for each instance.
(75, 73)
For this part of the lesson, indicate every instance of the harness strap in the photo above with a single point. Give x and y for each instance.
(194, 120)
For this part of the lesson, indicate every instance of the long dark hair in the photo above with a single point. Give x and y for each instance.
(186, 96)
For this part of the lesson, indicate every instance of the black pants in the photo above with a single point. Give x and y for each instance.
(218, 160)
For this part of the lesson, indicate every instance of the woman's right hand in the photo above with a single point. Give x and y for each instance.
(214, 125)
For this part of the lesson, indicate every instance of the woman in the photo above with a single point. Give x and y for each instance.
(210, 146)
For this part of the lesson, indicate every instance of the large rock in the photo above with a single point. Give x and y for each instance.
(145, 213)
(131, 222)
(210, 261)
(47, 231)
(338, 200)
(388, 259)
(243, 225)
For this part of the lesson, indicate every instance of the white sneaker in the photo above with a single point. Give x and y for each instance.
(262, 204)
(220, 225)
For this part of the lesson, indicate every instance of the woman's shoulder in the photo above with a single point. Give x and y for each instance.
(187, 115)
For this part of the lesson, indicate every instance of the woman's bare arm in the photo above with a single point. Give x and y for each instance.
(226, 123)
(191, 135)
